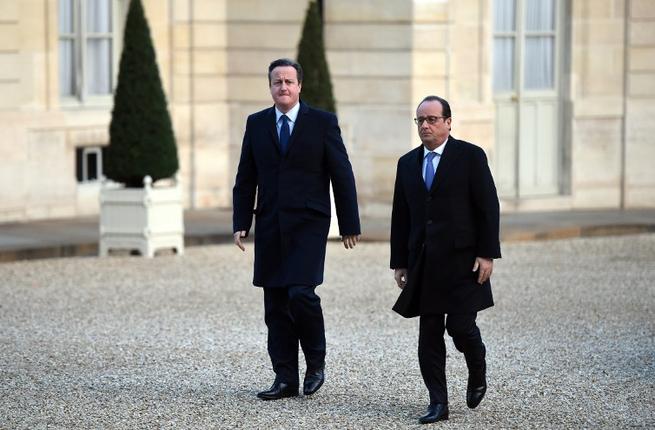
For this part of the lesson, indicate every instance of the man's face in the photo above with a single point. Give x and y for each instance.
(285, 87)
(432, 135)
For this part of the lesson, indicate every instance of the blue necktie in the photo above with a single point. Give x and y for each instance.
(284, 134)
(429, 170)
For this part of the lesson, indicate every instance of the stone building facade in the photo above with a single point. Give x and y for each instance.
(560, 93)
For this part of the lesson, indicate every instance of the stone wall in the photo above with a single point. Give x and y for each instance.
(596, 96)
(384, 56)
(199, 98)
(640, 106)
(37, 137)
(613, 99)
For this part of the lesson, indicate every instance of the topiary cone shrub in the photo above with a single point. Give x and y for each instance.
(142, 142)
(316, 86)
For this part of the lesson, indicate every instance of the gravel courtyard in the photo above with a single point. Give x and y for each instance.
(126, 342)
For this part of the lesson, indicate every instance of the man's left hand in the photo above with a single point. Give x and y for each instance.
(349, 242)
(486, 266)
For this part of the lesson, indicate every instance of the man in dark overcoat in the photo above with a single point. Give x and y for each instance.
(290, 154)
(444, 237)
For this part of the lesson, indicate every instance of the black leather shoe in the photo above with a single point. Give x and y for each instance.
(476, 389)
(278, 390)
(436, 412)
(313, 381)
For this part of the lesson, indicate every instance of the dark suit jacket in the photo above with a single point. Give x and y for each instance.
(437, 234)
(293, 195)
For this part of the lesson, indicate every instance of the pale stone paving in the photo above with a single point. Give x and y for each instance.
(127, 342)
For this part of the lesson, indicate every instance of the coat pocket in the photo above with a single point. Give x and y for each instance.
(464, 259)
(259, 201)
(318, 206)
(464, 239)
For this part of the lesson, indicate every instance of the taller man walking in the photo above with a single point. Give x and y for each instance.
(444, 237)
(290, 154)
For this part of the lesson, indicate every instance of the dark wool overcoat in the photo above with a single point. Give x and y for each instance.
(292, 192)
(437, 234)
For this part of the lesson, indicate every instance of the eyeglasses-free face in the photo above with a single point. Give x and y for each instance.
(285, 87)
(432, 120)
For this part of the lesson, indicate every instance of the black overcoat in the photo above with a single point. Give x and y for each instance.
(437, 234)
(292, 191)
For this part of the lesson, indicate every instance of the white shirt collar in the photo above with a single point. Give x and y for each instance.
(439, 149)
(292, 114)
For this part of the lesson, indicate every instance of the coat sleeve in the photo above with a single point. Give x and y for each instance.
(486, 207)
(343, 180)
(399, 226)
(245, 187)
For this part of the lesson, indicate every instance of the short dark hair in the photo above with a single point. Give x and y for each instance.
(445, 106)
(282, 62)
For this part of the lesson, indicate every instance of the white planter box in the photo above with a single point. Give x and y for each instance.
(334, 221)
(144, 219)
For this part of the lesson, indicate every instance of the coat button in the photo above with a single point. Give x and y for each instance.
(429, 221)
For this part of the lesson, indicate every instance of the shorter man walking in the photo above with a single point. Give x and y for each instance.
(444, 237)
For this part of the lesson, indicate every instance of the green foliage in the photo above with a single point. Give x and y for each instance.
(316, 86)
(141, 133)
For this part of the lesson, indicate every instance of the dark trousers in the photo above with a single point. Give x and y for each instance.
(432, 350)
(293, 315)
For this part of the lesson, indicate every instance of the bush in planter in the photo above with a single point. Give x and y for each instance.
(316, 86)
(141, 133)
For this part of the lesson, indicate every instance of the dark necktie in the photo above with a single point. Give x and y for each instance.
(284, 134)
(429, 170)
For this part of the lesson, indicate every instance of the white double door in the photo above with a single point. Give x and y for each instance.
(526, 81)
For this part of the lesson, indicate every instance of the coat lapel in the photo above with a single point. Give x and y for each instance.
(272, 128)
(298, 126)
(449, 156)
(417, 172)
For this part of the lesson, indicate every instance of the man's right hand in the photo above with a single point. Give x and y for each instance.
(400, 275)
(237, 239)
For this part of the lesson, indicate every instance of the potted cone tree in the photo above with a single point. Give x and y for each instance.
(317, 85)
(141, 208)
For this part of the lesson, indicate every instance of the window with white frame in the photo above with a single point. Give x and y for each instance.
(88, 163)
(539, 60)
(86, 48)
(504, 45)
(524, 45)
